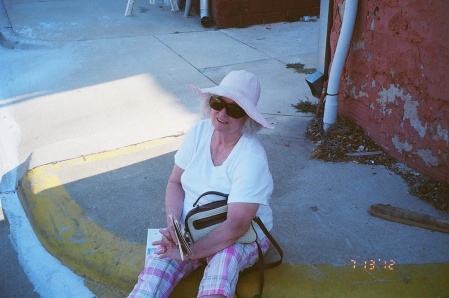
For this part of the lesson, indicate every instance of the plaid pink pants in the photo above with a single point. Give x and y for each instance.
(160, 276)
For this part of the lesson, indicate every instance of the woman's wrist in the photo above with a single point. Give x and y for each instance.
(188, 256)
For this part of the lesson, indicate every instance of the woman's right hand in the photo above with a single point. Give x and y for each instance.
(168, 237)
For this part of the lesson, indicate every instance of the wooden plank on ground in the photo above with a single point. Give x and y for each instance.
(411, 218)
(364, 153)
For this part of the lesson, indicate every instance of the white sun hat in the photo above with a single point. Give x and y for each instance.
(242, 87)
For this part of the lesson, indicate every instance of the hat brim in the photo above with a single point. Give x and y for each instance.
(236, 96)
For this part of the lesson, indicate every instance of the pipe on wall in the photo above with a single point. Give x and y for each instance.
(204, 13)
(326, 8)
(341, 53)
(187, 8)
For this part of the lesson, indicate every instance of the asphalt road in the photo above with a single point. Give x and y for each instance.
(13, 280)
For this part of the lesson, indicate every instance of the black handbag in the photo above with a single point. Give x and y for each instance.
(203, 218)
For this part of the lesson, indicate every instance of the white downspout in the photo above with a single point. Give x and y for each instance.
(204, 12)
(344, 41)
(187, 8)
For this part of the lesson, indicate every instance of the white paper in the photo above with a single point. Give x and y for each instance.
(153, 235)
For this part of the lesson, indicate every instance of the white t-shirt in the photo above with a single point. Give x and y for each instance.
(244, 175)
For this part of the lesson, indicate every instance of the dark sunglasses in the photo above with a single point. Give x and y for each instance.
(233, 110)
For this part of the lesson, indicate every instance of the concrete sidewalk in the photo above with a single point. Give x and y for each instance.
(114, 94)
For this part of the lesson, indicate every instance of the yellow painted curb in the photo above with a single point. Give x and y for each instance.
(287, 280)
(66, 232)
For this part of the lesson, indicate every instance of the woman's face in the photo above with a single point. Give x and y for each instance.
(223, 123)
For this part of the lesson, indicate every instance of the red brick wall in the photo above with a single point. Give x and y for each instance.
(242, 13)
(396, 83)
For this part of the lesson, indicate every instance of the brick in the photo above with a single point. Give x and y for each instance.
(296, 4)
(274, 17)
(238, 13)
(258, 6)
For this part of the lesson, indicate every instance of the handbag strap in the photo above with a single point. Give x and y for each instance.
(273, 241)
(261, 266)
(217, 193)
